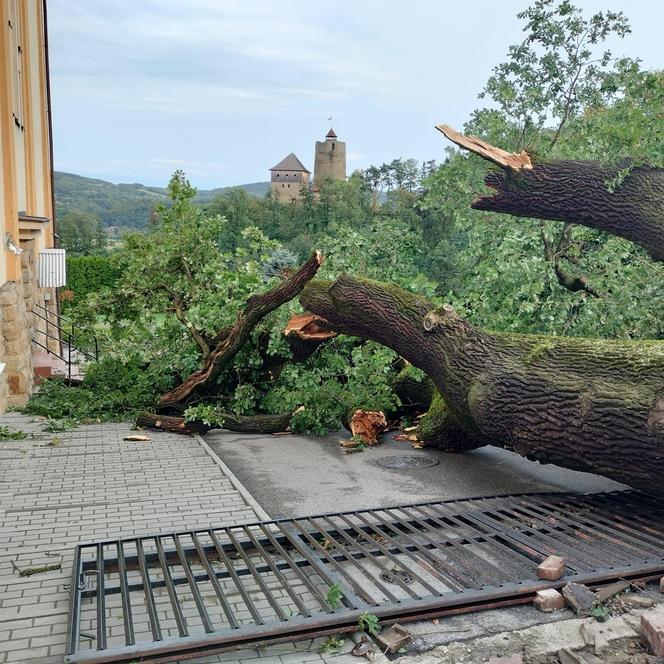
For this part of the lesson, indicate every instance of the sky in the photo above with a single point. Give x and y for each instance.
(224, 89)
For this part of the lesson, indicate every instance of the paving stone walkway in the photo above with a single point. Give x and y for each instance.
(57, 489)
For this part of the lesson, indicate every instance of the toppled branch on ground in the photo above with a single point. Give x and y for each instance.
(257, 307)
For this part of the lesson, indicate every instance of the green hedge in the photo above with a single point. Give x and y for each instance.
(89, 274)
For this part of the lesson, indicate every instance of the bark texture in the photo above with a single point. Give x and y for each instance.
(228, 345)
(586, 404)
(574, 192)
(241, 423)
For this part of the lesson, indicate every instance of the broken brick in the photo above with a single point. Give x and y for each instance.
(552, 568)
(393, 638)
(652, 633)
(580, 598)
(548, 600)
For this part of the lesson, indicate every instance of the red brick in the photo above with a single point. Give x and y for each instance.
(552, 568)
(549, 600)
(652, 633)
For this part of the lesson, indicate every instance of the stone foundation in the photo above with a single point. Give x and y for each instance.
(16, 327)
(19, 326)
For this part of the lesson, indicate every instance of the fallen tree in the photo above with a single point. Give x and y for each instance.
(587, 404)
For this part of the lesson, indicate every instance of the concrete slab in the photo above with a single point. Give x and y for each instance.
(292, 475)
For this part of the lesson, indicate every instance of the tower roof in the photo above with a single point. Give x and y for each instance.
(330, 134)
(290, 163)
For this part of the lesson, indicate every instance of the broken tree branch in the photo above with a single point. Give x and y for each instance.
(257, 307)
(575, 192)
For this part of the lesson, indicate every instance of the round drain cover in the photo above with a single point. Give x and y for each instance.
(405, 461)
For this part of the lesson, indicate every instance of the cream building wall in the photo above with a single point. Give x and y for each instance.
(26, 203)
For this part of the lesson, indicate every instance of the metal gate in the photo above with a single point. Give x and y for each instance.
(178, 595)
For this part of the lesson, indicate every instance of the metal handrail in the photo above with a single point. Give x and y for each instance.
(56, 319)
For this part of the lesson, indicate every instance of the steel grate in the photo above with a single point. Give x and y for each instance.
(177, 595)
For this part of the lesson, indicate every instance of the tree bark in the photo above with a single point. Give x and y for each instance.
(241, 423)
(574, 192)
(586, 404)
(257, 307)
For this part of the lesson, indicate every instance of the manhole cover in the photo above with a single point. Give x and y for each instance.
(405, 461)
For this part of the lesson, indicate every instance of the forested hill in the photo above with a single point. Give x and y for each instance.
(123, 205)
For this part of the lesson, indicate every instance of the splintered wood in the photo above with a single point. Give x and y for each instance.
(513, 160)
(367, 424)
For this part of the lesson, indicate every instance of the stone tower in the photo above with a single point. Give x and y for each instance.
(330, 158)
(288, 177)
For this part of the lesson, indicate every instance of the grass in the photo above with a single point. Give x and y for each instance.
(7, 433)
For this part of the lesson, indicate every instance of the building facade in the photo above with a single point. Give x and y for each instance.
(287, 179)
(329, 159)
(290, 178)
(27, 232)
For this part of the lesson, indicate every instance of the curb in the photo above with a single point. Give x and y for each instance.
(237, 485)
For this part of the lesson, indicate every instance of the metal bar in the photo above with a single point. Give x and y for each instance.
(257, 577)
(427, 554)
(356, 587)
(335, 623)
(172, 595)
(560, 543)
(386, 552)
(468, 576)
(277, 572)
(351, 559)
(198, 600)
(595, 531)
(238, 584)
(74, 618)
(215, 582)
(155, 628)
(485, 550)
(636, 537)
(297, 569)
(124, 591)
(101, 600)
(514, 560)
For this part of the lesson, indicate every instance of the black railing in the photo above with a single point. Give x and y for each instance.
(67, 339)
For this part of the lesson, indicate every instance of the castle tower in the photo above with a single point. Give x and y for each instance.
(288, 177)
(330, 158)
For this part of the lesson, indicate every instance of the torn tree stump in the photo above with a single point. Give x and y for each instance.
(368, 425)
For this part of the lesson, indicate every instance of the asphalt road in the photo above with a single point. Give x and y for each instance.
(292, 475)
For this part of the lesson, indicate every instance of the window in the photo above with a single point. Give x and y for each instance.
(333, 146)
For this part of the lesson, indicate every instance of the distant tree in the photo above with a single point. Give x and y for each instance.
(81, 233)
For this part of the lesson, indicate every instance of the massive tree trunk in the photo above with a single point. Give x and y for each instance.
(586, 404)
(574, 191)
